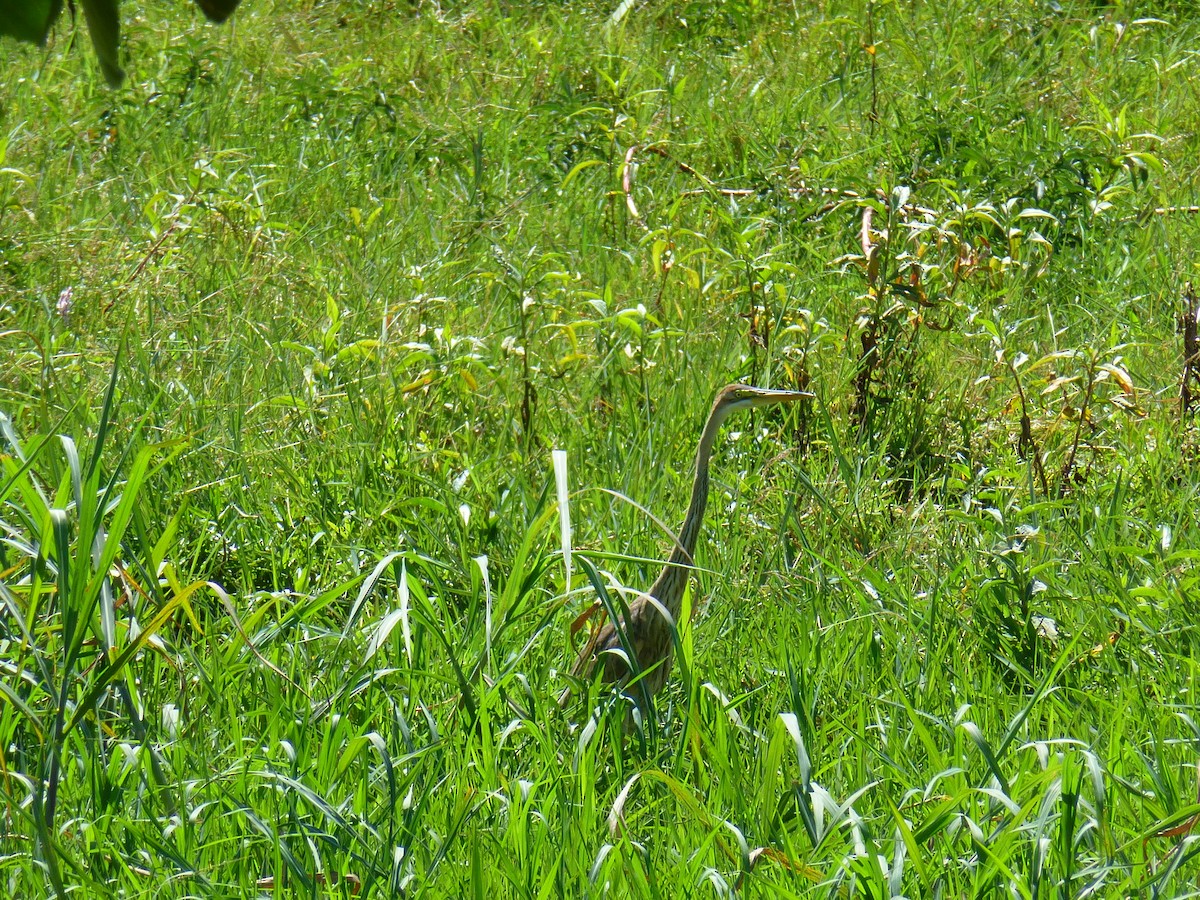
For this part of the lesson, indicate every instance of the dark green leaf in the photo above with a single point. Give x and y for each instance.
(104, 25)
(28, 20)
(218, 10)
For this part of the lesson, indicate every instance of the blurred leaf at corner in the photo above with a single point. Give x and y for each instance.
(30, 20)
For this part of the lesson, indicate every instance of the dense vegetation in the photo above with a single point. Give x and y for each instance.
(290, 324)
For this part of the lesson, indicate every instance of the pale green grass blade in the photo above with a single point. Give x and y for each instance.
(559, 458)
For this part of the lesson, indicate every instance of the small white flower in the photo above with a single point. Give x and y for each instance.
(64, 305)
(170, 720)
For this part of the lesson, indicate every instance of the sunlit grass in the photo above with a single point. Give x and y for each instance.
(312, 300)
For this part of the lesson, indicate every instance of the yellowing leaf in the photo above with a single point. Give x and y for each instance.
(417, 384)
(1120, 375)
(1059, 382)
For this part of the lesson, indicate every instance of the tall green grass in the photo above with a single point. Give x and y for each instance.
(290, 325)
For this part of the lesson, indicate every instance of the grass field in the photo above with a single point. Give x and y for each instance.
(290, 324)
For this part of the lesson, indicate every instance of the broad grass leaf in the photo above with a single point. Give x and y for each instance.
(365, 591)
(384, 630)
(114, 669)
(989, 757)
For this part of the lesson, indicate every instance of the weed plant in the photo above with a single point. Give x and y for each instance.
(290, 325)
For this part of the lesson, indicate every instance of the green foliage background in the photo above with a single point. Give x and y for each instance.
(358, 267)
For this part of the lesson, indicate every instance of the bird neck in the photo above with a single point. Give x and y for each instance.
(672, 580)
(684, 551)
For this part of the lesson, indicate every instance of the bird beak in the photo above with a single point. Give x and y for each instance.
(766, 397)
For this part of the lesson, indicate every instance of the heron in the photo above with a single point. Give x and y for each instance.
(647, 631)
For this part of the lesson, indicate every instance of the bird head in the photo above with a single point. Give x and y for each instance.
(734, 397)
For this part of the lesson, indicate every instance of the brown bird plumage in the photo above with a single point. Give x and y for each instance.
(649, 627)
